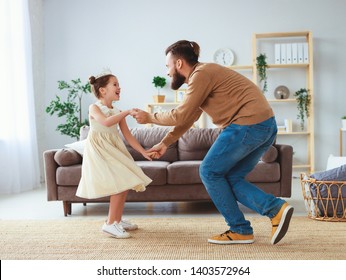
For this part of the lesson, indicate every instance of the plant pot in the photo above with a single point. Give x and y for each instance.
(159, 98)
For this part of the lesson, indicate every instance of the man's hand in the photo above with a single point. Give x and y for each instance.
(159, 149)
(140, 116)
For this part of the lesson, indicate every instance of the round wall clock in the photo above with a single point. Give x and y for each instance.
(281, 92)
(224, 56)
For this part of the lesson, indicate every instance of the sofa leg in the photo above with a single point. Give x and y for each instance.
(84, 204)
(67, 208)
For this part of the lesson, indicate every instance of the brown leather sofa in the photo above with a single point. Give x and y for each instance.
(175, 175)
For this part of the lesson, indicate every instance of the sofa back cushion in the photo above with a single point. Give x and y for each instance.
(148, 137)
(195, 143)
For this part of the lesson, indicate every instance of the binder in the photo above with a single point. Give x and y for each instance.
(289, 53)
(277, 54)
(305, 53)
(300, 53)
(283, 53)
(294, 53)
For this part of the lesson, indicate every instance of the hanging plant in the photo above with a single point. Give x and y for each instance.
(303, 104)
(262, 66)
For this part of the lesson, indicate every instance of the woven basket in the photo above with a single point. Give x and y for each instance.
(324, 200)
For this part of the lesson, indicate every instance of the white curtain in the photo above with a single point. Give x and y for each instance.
(19, 166)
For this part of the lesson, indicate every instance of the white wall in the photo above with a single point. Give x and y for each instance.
(80, 37)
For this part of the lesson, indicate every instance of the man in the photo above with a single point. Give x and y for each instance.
(236, 105)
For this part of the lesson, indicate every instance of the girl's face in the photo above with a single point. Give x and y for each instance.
(112, 89)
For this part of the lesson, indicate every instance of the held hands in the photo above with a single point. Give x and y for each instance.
(140, 115)
(157, 150)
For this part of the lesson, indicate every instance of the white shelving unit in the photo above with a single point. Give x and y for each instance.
(303, 78)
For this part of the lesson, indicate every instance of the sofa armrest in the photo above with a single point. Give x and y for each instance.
(50, 167)
(285, 159)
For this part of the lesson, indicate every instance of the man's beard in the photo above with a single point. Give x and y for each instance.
(177, 80)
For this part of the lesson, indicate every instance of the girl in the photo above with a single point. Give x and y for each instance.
(108, 168)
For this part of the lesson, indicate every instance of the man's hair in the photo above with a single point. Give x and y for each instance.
(187, 50)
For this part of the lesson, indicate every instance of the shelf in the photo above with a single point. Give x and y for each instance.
(239, 67)
(282, 35)
(282, 100)
(164, 104)
(301, 166)
(293, 65)
(293, 133)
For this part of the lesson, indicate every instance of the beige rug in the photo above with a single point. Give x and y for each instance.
(167, 239)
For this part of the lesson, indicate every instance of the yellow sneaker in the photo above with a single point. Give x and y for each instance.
(229, 237)
(281, 222)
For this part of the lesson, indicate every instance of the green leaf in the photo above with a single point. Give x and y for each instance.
(69, 107)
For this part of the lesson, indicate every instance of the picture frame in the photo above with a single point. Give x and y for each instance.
(179, 95)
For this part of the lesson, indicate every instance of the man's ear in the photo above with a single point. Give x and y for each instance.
(179, 63)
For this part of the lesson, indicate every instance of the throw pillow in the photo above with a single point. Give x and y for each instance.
(270, 155)
(335, 174)
(83, 132)
(334, 161)
(67, 157)
(77, 146)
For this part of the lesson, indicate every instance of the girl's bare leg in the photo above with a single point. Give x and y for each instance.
(116, 207)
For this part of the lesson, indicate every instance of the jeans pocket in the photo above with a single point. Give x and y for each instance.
(257, 134)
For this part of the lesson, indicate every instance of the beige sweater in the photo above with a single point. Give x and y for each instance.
(225, 95)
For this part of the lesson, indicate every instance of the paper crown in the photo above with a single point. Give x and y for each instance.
(105, 72)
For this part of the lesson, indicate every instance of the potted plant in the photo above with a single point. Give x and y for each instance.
(303, 104)
(159, 82)
(71, 108)
(261, 65)
(343, 121)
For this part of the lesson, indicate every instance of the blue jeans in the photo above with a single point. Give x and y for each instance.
(234, 154)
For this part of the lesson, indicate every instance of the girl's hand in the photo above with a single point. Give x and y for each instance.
(147, 155)
(153, 154)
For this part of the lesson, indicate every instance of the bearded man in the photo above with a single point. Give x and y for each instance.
(238, 107)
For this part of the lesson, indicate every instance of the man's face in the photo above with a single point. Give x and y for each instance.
(177, 79)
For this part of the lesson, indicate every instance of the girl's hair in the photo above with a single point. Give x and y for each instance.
(187, 50)
(97, 83)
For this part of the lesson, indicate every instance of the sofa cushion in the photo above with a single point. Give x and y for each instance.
(187, 172)
(270, 155)
(150, 136)
(195, 143)
(67, 157)
(184, 172)
(155, 170)
(265, 173)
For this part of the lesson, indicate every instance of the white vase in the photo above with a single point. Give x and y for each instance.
(343, 121)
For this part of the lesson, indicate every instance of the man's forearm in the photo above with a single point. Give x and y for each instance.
(163, 118)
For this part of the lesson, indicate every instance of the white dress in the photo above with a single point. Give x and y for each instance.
(108, 168)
